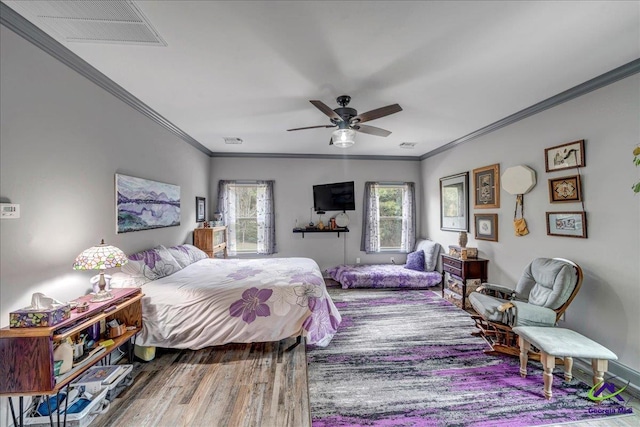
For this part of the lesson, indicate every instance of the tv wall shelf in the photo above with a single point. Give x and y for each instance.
(317, 230)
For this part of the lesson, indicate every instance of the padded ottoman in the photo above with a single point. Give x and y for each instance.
(559, 342)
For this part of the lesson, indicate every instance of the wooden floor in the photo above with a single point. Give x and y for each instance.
(233, 385)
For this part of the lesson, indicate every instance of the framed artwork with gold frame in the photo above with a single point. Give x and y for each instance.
(486, 185)
(565, 189)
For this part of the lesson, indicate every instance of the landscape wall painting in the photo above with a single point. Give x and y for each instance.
(142, 204)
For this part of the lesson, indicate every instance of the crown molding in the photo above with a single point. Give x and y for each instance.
(316, 156)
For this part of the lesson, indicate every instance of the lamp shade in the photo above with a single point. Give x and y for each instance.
(344, 138)
(100, 257)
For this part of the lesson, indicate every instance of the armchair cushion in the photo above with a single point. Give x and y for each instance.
(546, 283)
(525, 314)
(488, 307)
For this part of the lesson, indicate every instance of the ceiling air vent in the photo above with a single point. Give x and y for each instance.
(408, 145)
(232, 140)
(90, 21)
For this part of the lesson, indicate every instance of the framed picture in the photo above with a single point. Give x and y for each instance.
(486, 227)
(200, 209)
(454, 202)
(565, 189)
(567, 224)
(142, 204)
(486, 182)
(565, 156)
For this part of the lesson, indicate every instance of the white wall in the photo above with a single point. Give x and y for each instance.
(62, 139)
(607, 307)
(294, 180)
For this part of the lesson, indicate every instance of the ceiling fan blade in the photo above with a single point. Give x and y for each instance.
(377, 113)
(371, 130)
(313, 127)
(327, 110)
(331, 141)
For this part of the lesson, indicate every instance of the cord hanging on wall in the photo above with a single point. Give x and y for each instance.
(519, 180)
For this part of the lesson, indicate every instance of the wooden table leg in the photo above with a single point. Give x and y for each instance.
(524, 355)
(548, 363)
(599, 368)
(568, 366)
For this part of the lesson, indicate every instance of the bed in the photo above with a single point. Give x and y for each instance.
(203, 302)
(419, 272)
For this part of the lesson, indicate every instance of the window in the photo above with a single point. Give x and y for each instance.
(247, 210)
(388, 217)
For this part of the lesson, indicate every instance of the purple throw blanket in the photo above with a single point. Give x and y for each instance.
(383, 276)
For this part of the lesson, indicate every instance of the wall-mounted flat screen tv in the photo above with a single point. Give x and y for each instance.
(334, 197)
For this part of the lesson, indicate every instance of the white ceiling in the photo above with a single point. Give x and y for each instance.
(248, 69)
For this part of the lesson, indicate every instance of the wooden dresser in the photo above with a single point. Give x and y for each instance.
(461, 277)
(212, 240)
(27, 366)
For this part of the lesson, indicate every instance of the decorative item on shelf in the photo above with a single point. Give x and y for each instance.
(205, 224)
(100, 257)
(462, 239)
(217, 219)
(332, 223)
(320, 224)
(518, 181)
(342, 220)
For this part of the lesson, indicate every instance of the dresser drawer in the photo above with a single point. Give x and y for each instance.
(453, 266)
(457, 285)
(456, 299)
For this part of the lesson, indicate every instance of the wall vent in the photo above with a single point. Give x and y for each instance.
(232, 140)
(91, 21)
(408, 145)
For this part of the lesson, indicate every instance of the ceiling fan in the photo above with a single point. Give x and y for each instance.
(348, 121)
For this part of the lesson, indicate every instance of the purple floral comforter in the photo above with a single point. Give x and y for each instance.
(382, 276)
(219, 301)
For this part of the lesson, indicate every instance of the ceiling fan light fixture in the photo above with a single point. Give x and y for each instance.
(344, 138)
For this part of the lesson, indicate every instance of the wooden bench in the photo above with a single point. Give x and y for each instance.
(564, 343)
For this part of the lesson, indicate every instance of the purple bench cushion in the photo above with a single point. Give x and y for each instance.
(382, 276)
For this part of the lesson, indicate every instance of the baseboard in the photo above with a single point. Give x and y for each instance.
(618, 374)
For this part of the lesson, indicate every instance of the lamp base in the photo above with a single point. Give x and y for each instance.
(102, 296)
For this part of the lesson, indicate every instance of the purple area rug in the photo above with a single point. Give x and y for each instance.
(407, 358)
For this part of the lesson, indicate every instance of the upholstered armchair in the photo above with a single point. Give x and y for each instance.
(541, 296)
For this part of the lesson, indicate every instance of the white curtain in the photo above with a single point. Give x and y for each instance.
(266, 218)
(265, 214)
(408, 217)
(370, 241)
(227, 207)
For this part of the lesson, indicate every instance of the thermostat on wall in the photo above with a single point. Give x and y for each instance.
(9, 210)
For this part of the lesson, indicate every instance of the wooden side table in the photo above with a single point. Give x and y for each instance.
(461, 277)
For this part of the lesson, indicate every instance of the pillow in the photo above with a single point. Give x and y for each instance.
(415, 261)
(153, 263)
(431, 250)
(187, 254)
(122, 280)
